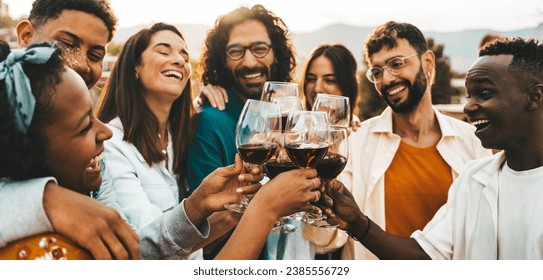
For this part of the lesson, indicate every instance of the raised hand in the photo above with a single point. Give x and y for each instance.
(289, 192)
(91, 224)
(225, 185)
(215, 95)
(344, 209)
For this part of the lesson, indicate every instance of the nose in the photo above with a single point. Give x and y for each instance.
(79, 62)
(104, 133)
(179, 59)
(470, 107)
(387, 76)
(249, 59)
(319, 86)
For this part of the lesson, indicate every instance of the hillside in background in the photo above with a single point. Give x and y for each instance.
(460, 46)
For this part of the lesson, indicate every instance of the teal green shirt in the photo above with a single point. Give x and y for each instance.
(214, 142)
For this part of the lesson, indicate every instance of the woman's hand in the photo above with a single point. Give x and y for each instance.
(215, 95)
(225, 185)
(289, 193)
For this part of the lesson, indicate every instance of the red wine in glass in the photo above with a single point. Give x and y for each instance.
(257, 153)
(306, 154)
(273, 168)
(331, 166)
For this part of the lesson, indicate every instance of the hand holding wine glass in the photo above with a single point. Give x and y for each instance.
(255, 139)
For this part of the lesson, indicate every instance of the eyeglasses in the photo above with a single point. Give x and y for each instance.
(258, 49)
(394, 67)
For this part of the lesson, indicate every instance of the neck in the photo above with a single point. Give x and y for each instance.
(161, 109)
(525, 155)
(420, 127)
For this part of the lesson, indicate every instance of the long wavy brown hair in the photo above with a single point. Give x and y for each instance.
(123, 98)
(214, 54)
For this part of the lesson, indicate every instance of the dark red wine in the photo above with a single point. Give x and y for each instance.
(257, 153)
(330, 166)
(273, 168)
(306, 154)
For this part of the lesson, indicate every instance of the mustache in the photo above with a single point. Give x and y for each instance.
(246, 70)
(394, 84)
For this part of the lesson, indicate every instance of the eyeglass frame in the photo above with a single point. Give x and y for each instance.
(250, 48)
(369, 74)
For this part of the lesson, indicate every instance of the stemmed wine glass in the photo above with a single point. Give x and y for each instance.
(255, 139)
(333, 163)
(280, 162)
(273, 89)
(307, 139)
(337, 108)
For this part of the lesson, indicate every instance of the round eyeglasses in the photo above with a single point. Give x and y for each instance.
(258, 49)
(394, 66)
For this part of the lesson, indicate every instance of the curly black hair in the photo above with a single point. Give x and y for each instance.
(387, 35)
(45, 10)
(24, 155)
(527, 54)
(214, 54)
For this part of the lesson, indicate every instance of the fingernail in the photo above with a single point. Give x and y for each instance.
(241, 178)
(239, 190)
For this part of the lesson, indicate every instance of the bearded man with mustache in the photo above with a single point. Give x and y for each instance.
(403, 161)
(245, 48)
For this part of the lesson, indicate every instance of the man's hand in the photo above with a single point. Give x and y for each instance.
(344, 209)
(91, 224)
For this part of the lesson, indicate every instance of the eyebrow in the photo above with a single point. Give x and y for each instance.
(83, 118)
(76, 38)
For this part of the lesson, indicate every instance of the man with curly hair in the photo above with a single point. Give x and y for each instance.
(494, 206)
(245, 48)
(81, 28)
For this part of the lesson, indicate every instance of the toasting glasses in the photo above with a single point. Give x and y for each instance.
(256, 140)
(336, 107)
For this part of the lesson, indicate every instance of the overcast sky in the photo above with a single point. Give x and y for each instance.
(309, 15)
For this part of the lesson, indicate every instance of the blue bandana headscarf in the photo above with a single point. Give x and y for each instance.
(18, 88)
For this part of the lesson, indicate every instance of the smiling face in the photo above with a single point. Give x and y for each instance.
(250, 73)
(402, 92)
(164, 69)
(76, 137)
(320, 78)
(497, 103)
(82, 37)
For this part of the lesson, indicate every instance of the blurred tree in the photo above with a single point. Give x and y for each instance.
(114, 48)
(370, 103)
(7, 22)
(442, 91)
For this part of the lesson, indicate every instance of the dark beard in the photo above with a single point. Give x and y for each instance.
(416, 92)
(251, 91)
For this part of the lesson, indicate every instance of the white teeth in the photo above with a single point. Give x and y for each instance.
(95, 162)
(396, 91)
(478, 122)
(252, 76)
(173, 74)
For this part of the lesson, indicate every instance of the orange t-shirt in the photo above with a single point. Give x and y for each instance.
(416, 186)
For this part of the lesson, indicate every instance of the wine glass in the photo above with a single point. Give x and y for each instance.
(255, 139)
(280, 162)
(306, 142)
(337, 108)
(333, 162)
(273, 89)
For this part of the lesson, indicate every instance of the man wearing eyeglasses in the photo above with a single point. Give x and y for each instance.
(403, 161)
(245, 48)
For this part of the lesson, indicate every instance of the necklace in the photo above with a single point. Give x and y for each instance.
(164, 150)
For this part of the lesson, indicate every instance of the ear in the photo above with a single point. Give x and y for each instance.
(429, 61)
(25, 32)
(535, 97)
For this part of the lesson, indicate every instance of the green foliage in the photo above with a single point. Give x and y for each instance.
(114, 49)
(442, 91)
(370, 103)
(7, 22)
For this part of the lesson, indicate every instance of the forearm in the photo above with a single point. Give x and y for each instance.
(385, 246)
(220, 224)
(250, 235)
